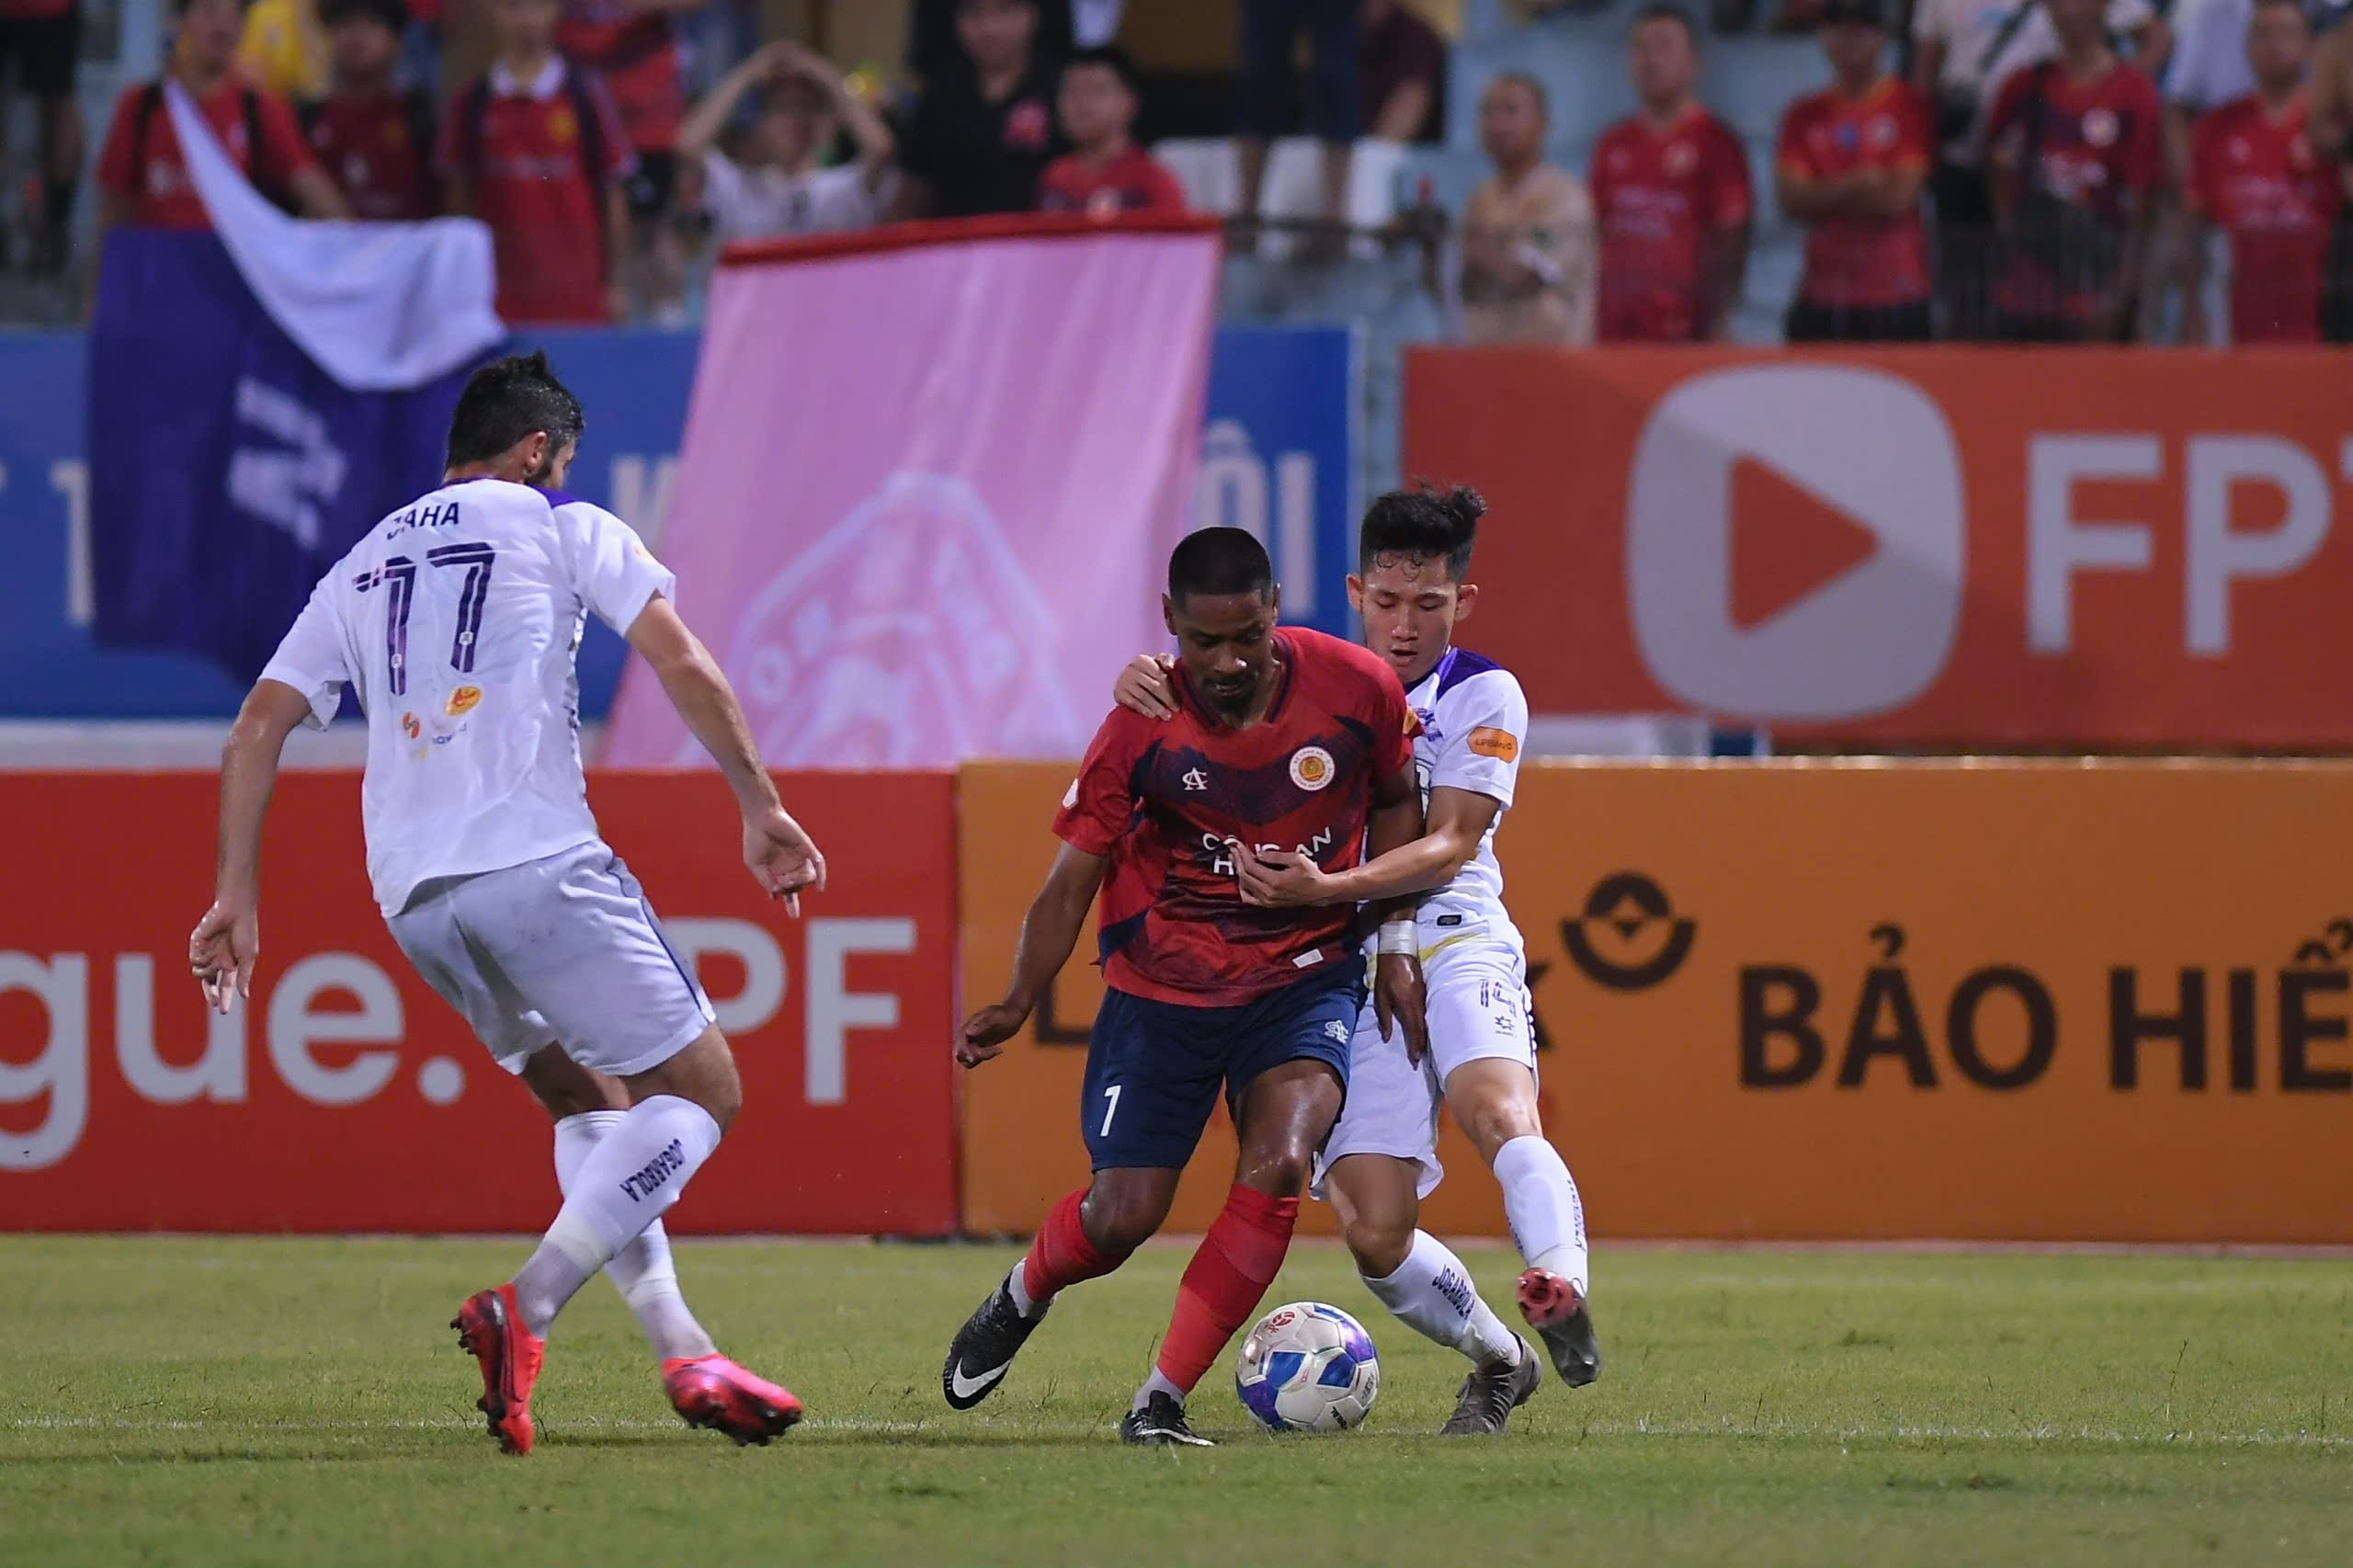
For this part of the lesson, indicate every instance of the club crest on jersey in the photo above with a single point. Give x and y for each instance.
(1311, 767)
(1195, 782)
(465, 700)
(409, 726)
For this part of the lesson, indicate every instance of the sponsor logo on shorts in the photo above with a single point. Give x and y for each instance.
(657, 1170)
(465, 700)
(1501, 745)
(1311, 766)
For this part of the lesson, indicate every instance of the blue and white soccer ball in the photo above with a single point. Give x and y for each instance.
(1308, 1368)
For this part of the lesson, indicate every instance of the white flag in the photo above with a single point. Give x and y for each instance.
(381, 307)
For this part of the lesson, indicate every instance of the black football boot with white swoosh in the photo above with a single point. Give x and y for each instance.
(1160, 1422)
(982, 1350)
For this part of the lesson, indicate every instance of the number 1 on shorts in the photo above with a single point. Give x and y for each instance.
(1109, 1111)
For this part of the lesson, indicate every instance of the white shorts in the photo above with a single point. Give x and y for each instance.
(1478, 1007)
(560, 951)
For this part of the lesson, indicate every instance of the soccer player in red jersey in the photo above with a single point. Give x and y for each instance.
(375, 141)
(143, 178)
(2078, 153)
(1671, 194)
(536, 150)
(1851, 163)
(1107, 171)
(2253, 175)
(1286, 739)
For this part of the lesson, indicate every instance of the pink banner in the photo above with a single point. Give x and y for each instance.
(930, 480)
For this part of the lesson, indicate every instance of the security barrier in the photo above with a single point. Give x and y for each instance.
(346, 1096)
(1792, 1001)
(1787, 1001)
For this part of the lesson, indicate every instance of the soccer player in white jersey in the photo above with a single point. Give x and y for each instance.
(1412, 588)
(456, 620)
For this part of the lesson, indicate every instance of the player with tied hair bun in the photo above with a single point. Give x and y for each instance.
(1412, 586)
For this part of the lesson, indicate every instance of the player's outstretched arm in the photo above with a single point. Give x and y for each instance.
(1397, 997)
(1049, 932)
(1459, 819)
(780, 852)
(226, 942)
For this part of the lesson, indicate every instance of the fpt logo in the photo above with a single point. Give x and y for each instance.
(1630, 938)
(1794, 542)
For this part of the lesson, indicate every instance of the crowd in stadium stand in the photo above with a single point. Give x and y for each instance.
(2024, 181)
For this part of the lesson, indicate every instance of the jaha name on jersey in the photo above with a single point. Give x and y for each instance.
(444, 516)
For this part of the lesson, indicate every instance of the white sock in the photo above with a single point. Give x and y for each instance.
(642, 1271)
(1431, 1293)
(1540, 1200)
(636, 1171)
(1017, 1285)
(1156, 1384)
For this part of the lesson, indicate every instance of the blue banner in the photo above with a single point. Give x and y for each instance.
(1279, 458)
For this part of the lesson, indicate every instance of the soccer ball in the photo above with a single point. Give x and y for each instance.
(1308, 1368)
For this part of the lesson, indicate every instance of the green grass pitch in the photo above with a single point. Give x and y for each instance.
(300, 1402)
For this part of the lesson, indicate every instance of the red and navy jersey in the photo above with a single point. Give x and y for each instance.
(1166, 800)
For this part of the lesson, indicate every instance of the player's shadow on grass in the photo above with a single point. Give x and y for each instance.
(257, 1454)
(948, 1438)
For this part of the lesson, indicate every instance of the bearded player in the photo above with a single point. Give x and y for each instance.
(1412, 588)
(456, 620)
(1284, 739)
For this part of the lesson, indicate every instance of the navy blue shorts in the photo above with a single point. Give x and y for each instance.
(1153, 1068)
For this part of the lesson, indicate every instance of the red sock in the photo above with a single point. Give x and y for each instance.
(1062, 1254)
(1225, 1281)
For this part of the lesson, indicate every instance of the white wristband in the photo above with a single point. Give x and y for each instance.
(1398, 938)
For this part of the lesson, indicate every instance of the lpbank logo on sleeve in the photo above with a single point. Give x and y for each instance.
(1794, 542)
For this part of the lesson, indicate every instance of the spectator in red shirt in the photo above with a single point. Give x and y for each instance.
(141, 177)
(1105, 173)
(44, 38)
(2078, 155)
(633, 48)
(1671, 193)
(1851, 163)
(375, 141)
(535, 149)
(2253, 175)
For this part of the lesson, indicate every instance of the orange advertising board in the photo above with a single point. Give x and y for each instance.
(346, 1095)
(1849, 1001)
(2045, 547)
